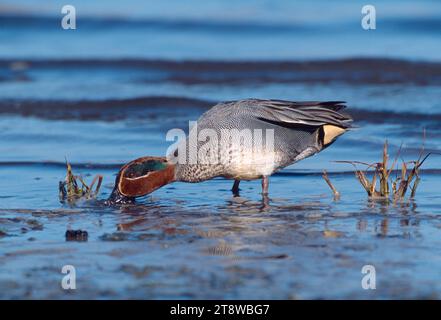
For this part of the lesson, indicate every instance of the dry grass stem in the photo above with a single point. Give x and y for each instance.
(328, 181)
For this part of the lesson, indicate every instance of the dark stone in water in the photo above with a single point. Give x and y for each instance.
(76, 235)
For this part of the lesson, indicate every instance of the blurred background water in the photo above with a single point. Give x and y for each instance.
(222, 30)
(107, 92)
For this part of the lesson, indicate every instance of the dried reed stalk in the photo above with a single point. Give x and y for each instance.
(328, 181)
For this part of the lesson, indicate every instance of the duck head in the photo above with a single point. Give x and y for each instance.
(141, 177)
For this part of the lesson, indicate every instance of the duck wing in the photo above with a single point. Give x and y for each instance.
(307, 113)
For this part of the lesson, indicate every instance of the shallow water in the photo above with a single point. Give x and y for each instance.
(100, 105)
(197, 241)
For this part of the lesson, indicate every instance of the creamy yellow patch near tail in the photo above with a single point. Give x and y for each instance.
(331, 133)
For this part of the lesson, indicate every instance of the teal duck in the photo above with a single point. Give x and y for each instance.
(241, 140)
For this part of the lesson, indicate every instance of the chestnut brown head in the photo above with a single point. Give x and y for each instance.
(143, 176)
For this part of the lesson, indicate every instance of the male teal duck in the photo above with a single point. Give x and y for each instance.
(241, 140)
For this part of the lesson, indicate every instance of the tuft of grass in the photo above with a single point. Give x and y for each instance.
(74, 188)
(406, 178)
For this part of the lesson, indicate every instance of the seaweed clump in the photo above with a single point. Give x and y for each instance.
(74, 188)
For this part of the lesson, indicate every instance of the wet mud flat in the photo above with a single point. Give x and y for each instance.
(198, 241)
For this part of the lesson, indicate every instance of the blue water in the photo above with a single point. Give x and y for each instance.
(224, 30)
(109, 91)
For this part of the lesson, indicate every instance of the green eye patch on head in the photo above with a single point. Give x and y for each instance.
(143, 168)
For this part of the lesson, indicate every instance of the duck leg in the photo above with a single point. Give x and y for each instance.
(265, 198)
(265, 183)
(235, 188)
